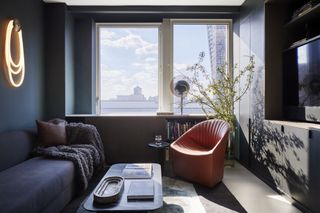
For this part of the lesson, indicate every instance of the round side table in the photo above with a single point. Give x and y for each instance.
(161, 148)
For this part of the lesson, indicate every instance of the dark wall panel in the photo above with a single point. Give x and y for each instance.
(274, 19)
(126, 138)
(55, 19)
(84, 65)
(19, 107)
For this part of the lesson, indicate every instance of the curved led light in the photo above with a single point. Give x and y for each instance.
(15, 70)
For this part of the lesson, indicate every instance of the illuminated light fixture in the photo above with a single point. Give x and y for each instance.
(15, 70)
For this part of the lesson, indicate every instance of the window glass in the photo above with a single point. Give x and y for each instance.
(189, 40)
(128, 66)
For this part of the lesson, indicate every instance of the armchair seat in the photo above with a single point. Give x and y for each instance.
(198, 155)
(191, 148)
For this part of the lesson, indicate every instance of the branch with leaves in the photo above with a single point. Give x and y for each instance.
(217, 96)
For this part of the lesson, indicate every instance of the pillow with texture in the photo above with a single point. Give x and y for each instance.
(50, 134)
(58, 121)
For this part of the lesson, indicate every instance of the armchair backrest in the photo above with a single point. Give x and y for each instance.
(209, 133)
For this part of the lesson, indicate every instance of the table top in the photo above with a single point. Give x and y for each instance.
(161, 145)
(123, 204)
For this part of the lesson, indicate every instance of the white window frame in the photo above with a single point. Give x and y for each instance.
(165, 55)
(172, 22)
(121, 25)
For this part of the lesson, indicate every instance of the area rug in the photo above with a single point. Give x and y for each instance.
(181, 197)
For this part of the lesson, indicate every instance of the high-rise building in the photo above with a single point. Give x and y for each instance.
(217, 47)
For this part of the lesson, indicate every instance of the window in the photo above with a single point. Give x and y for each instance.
(128, 69)
(199, 37)
(138, 62)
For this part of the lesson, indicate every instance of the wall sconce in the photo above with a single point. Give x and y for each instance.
(15, 69)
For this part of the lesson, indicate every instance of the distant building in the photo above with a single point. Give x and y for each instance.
(136, 96)
(137, 90)
(217, 47)
(153, 98)
(134, 103)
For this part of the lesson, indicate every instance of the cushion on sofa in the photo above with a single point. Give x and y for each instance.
(32, 185)
(15, 147)
(51, 134)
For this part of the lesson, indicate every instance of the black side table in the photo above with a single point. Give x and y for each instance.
(161, 148)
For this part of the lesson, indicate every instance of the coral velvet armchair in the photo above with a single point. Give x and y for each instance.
(198, 155)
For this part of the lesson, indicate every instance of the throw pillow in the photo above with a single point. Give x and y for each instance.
(58, 121)
(50, 134)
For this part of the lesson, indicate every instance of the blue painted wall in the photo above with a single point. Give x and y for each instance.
(19, 107)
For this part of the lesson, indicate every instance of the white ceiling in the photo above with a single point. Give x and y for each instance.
(150, 2)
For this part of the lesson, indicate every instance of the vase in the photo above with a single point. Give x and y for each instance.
(229, 155)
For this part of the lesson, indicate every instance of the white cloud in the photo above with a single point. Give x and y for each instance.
(107, 34)
(147, 67)
(180, 68)
(150, 59)
(147, 49)
(131, 40)
(128, 41)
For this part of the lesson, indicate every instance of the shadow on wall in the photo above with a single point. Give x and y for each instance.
(270, 146)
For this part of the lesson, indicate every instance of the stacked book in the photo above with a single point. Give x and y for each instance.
(176, 129)
(141, 190)
(303, 10)
(137, 171)
(141, 183)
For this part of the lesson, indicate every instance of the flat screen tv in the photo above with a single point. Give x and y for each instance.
(302, 82)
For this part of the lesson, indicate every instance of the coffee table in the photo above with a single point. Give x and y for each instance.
(123, 204)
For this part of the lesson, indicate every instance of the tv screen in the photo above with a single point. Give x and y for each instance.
(302, 75)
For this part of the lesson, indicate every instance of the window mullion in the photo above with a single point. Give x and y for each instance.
(166, 73)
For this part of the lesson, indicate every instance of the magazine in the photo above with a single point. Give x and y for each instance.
(137, 171)
(141, 190)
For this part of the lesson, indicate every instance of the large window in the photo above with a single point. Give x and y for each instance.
(128, 64)
(137, 63)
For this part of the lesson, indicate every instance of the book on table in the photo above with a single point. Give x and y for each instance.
(137, 171)
(141, 190)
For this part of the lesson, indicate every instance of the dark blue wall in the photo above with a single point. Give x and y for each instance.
(55, 65)
(19, 107)
(85, 66)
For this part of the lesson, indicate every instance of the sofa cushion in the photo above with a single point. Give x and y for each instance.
(51, 134)
(34, 184)
(15, 147)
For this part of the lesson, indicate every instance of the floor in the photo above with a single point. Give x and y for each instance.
(253, 194)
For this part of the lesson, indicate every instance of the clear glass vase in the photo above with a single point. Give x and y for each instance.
(230, 155)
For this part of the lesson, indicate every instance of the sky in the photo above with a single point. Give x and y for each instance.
(129, 57)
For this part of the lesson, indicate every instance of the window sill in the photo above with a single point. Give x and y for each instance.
(138, 115)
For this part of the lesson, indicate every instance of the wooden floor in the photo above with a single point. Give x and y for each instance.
(253, 194)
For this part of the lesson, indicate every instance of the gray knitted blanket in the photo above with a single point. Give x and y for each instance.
(85, 150)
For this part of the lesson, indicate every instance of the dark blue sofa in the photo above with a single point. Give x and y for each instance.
(32, 184)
